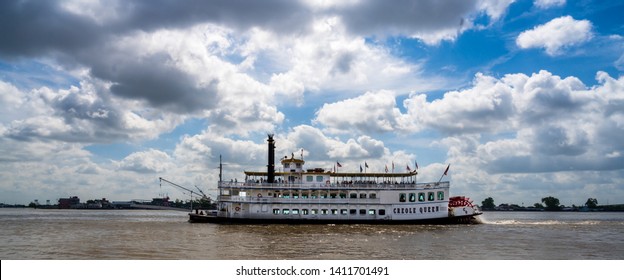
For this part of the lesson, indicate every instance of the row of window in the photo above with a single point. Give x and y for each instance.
(315, 195)
(277, 211)
(403, 197)
(319, 178)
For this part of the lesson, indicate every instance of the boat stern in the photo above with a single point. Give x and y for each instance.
(461, 206)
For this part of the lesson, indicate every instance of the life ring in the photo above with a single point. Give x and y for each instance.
(237, 208)
(327, 182)
(259, 195)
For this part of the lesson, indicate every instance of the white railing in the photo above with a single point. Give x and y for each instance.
(338, 186)
(252, 199)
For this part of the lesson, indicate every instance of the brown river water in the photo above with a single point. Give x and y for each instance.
(39, 234)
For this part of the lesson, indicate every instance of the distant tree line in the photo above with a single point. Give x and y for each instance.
(549, 204)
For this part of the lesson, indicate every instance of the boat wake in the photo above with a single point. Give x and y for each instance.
(545, 222)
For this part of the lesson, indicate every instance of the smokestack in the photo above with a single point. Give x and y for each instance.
(271, 163)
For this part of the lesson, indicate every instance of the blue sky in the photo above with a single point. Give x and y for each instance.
(525, 99)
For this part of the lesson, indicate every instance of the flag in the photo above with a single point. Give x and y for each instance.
(386, 168)
(393, 167)
(408, 168)
(338, 164)
(361, 168)
(365, 164)
(447, 169)
(416, 164)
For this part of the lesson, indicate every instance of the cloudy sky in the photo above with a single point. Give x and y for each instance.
(525, 99)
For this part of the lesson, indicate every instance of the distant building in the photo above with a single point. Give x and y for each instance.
(161, 201)
(67, 203)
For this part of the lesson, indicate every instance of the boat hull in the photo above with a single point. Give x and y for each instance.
(467, 219)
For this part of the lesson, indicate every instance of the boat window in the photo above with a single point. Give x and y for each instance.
(235, 192)
(431, 196)
(352, 211)
(362, 211)
(412, 197)
(421, 196)
(314, 211)
(304, 195)
(324, 211)
(286, 165)
(276, 211)
(295, 195)
(225, 192)
(295, 211)
(440, 195)
(323, 195)
(371, 211)
(343, 195)
(304, 211)
(332, 195)
(319, 178)
(372, 196)
(286, 211)
(363, 196)
(343, 211)
(382, 212)
(298, 165)
(334, 211)
(401, 197)
(309, 178)
(353, 195)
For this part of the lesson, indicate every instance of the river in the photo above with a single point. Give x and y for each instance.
(43, 234)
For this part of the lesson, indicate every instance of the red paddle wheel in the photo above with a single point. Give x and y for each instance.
(460, 201)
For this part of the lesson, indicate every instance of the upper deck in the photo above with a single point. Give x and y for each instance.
(356, 185)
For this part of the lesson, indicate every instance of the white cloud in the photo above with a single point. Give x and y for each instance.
(150, 161)
(558, 152)
(495, 8)
(370, 112)
(545, 4)
(429, 21)
(87, 114)
(556, 35)
(486, 106)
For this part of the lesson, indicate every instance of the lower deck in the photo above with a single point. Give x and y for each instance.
(201, 218)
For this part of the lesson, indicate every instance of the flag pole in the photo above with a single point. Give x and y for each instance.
(445, 173)
(416, 175)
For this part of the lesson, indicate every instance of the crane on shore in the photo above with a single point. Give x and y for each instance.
(191, 192)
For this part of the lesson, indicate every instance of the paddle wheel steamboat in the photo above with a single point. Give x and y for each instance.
(297, 195)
